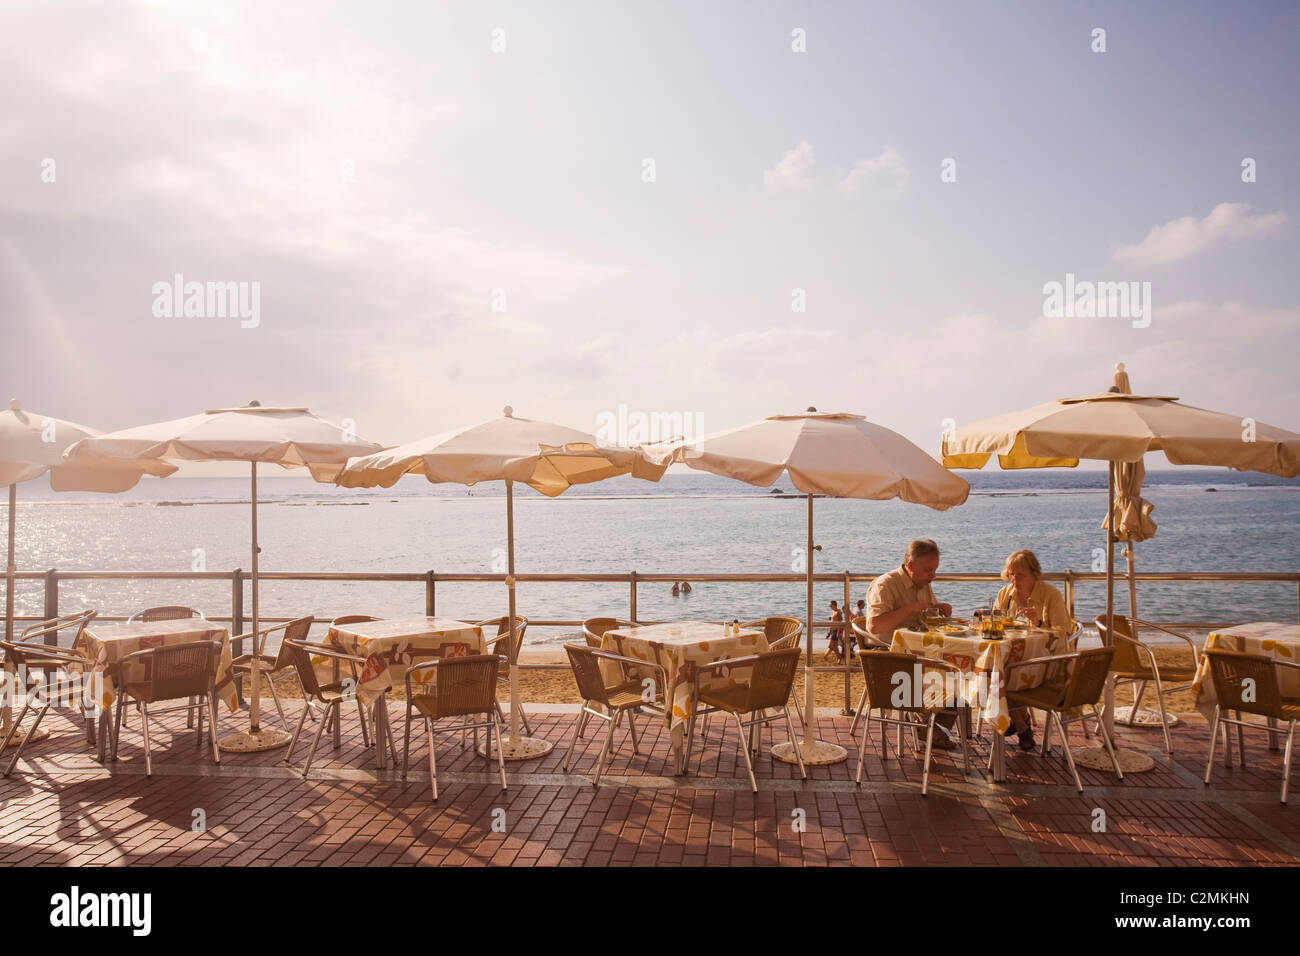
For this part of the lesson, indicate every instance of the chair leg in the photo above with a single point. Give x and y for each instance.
(144, 725)
(963, 727)
(433, 758)
(857, 717)
(604, 751)
(929, 742)
(744, 749)
(302, 720)
(212, 729)
(198, 737)
(1214, 739)
(1110, 749)
(331, 710)
(1137, 699)
(577, 733)
(501, 755)
(189, 713)
(631, 729)
(862, 749)
(1069, 757)
(117, 722)
(365, 735)
(30, 734)
(276, 698)
(1286, 759)
(1241, 741)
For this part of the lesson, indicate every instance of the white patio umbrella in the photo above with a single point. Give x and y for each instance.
(30, 445)
(1119, 428)
(288, 437)
(825, 453)
(549, 458)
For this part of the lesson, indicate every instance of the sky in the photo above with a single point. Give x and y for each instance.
(724, 210)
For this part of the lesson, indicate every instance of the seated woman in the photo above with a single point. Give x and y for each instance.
(1030, 596)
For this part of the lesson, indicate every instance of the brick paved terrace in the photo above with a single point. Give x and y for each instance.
(61, 807)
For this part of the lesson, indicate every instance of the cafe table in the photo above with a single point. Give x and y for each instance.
(1269, 638)
(103, 645)
(392, 646)
(680, 648)
(984, 663)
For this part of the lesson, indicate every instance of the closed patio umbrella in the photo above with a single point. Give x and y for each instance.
(288, 437)
(548, 458)
(1119, 428)
(825, 453)
(32, 444)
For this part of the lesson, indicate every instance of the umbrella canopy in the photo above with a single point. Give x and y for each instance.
(548, 458)
(826, 453)
(32, 444)
(288, 437)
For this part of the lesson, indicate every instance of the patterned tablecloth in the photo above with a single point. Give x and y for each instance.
(1279, 641)
(984, 664)
(680, 648)
(103, 645)
(390, 647)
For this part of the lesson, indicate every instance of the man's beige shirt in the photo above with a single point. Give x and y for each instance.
(895, 589)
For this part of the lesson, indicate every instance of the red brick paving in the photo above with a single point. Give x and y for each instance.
(61, 807)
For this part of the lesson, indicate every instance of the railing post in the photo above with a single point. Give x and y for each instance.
(845, 637)
(430, 594)
(237, 622)
(632, 598)
(1069, 592)
(51, 602)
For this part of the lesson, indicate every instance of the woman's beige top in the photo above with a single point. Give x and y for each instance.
(1047, 599)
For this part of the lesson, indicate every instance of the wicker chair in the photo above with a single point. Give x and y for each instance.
(594, 628)
(770, 681)
(1230, 671)
(330, 695)
(30, 655)
(1078, 684)
(1135, 664)
(170, 612)
(866, 642)
(879, 670)
(160, 674)
(454, 687)
(498, 645)
(274, 666)
(781, 632)
(608, 702)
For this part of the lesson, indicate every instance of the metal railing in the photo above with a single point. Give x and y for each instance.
(238, 577)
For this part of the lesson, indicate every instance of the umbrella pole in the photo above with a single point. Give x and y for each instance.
(256, 739)
(813, 751)
(6, 711)
(515, 746)
(1109, 712)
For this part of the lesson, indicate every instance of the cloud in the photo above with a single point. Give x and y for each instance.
(889, 165)
(1181, 238)
(791, 172)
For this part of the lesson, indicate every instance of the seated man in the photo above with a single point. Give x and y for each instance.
(899, 598)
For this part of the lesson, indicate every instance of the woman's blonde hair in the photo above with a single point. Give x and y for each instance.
(1023, 560)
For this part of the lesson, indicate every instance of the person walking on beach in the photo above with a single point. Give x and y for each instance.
(836, 634)
(899, 598)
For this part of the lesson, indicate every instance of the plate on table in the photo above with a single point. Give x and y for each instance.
(954, 630)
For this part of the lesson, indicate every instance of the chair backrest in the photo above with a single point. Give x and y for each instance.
(503, 629)
(1129, 654)
(781, 632)
(38, 632)
(594, 628)
(586, 672)
(292, 652)
(170, 612)
(353, 619)
(168, 673)
(865, 637)
(1088, 677)
(466, 685)
(1231, 670)
(772, 679)
(879, 670)
(297, 630)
